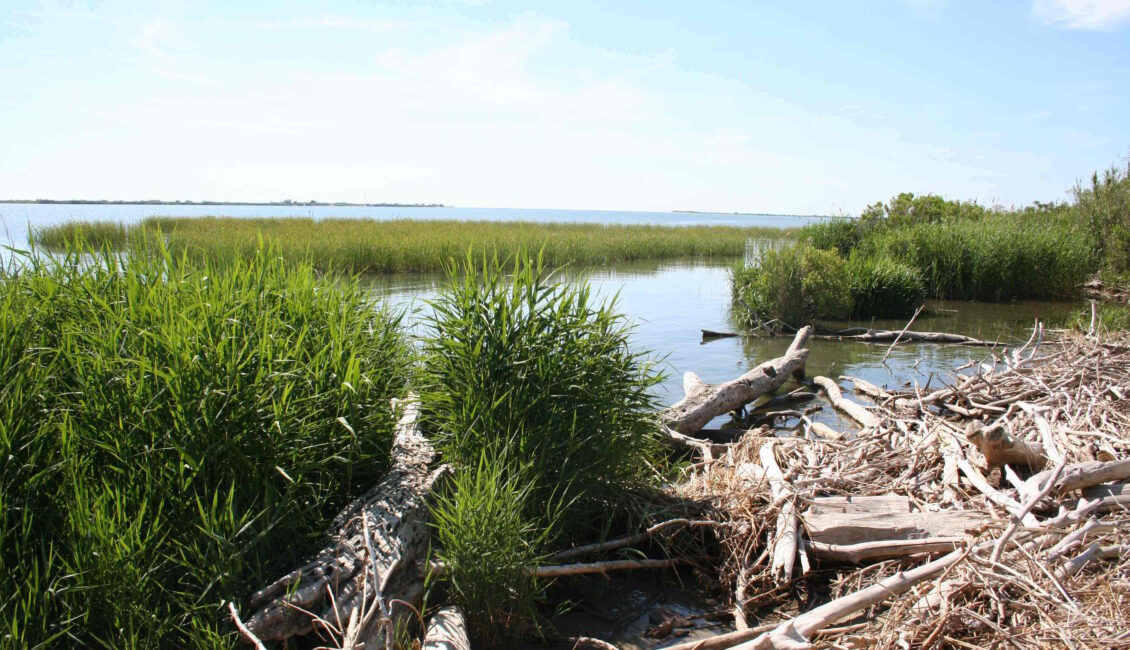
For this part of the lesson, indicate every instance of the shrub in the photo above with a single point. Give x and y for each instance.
(535, 377)
(173, 436)
(795, 284)
(840, 234)
(488, 543)
(882, 287)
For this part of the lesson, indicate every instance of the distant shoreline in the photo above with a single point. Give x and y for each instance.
(304, 204)
(753, 214)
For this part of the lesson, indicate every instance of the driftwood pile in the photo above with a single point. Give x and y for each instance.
(992, 513)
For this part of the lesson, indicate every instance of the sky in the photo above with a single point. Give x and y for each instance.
(782, 107)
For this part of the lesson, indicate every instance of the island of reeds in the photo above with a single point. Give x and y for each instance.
(368, 246)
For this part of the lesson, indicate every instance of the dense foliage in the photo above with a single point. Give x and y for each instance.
(368, 246)
(529, 387)
(912, 247)
(174, 435)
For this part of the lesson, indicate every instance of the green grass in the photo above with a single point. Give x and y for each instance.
(173, 436)
(529, 387)
(94, 233)
(1109, 317)
(367, 246)
(796, 284)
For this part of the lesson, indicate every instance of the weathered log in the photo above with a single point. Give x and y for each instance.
(886, 336)
(856, 412)
(1078, 476)
(447, 630)
(365, 576)
(882, 550)
(798, 632)
(785, 541)
(1111, 496)
(832, 528)
(704, 402)
(999, 448)
(882, 503)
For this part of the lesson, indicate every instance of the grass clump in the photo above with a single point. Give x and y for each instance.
(368, 246)
(793, 284)
(529, 387)
(98, 234)
(174, 435)
(882, 287)
(1109, 316)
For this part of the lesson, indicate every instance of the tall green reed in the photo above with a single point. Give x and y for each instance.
(173, 434)
(528, 385)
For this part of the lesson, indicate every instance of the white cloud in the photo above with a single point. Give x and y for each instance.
(331, 22)
(1082, 14)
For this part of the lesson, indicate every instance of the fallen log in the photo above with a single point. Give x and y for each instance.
(882, 550)
(798, 632)
(834, 528)
(1078, 476)
(704, 402)
(447, 631)
(856, 412)
(785, 541)
(365, 576)
(887, 336)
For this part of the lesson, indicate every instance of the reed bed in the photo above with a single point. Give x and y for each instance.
(367, 246)
(1029, 449)
(173, 433)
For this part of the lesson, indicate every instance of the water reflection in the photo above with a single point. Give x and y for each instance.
(670, 303)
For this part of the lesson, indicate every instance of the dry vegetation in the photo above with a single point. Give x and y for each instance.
(1002, 554)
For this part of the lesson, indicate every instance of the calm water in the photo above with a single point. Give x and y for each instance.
(669, 305)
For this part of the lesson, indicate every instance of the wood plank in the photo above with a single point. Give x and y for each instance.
(893, 503)
(858, 528)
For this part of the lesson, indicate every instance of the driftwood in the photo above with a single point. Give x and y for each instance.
(889, 336)
(857, 528)
(882, 550)
(704, 402)
(447, 631)
(856, 412)
(798, 631)
(785, 542)
(364, 584)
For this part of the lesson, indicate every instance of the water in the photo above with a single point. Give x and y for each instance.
(670, 303)
(16, 219)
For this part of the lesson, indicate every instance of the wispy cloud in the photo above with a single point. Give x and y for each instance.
(331, 22)
(1082, 14)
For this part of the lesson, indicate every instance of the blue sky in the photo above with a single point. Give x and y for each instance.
(815, 107)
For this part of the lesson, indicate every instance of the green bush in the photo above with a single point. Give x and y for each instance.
(882, 287)
(1105, 208)
(840, 234)
(175, 436)
(488, 543)
(795, 284)
(537, 378)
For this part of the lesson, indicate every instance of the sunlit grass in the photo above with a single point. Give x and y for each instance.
(367, 246)
(174, 435)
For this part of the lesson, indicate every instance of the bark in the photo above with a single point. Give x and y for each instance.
(704, 402)
(447, 631)
(856, 412)
(785, 541)
(1078, 476)
(365, 576)
(882, 550)
(797, 632)
(832, 528)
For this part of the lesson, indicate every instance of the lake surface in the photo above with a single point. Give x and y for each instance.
(670, 303)
(667, 303)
